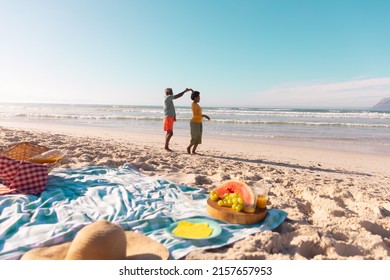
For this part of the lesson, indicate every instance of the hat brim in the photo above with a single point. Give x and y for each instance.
(139, 247)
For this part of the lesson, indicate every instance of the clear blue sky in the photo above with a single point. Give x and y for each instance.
(265, 53)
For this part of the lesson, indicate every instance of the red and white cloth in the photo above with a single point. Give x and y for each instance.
(22, 177)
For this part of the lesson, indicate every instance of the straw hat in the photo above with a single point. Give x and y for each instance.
(102, 240)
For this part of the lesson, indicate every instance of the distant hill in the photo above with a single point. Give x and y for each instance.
(384, 104)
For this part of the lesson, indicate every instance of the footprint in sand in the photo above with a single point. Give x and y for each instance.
(375, 229)
(311, 248)
(347, 250)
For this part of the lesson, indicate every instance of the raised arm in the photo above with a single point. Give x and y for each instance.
(181, 93)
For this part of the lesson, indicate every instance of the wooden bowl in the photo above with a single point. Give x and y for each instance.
(227, 214)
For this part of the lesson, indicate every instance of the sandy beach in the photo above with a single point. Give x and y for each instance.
(337, 202)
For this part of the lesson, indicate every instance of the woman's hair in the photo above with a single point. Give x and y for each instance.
(194, 94)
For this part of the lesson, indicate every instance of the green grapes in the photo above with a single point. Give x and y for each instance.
(231, 200)
(240, 207)
(214, 196)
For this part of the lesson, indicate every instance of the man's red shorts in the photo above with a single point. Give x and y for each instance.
(168, 123)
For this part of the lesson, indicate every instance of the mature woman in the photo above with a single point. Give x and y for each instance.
(196, 123)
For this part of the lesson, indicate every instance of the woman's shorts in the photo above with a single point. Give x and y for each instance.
(168, 123)
(196, 132)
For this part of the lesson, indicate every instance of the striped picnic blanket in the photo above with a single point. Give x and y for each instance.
(76, 197)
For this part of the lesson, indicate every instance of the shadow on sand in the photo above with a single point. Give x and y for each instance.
(288, 165)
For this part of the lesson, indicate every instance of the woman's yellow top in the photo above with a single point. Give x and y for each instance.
(196, 112)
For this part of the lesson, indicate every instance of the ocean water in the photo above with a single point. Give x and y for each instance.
(352, 130)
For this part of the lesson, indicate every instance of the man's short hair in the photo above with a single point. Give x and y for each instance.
(194, 94)
(168, 90)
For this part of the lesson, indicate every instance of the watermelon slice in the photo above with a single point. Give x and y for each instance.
(242, 189)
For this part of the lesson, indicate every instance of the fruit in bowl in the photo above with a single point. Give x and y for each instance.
(232, 200)
(236, 195)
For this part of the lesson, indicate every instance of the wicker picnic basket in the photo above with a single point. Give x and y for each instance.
(25, 151)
